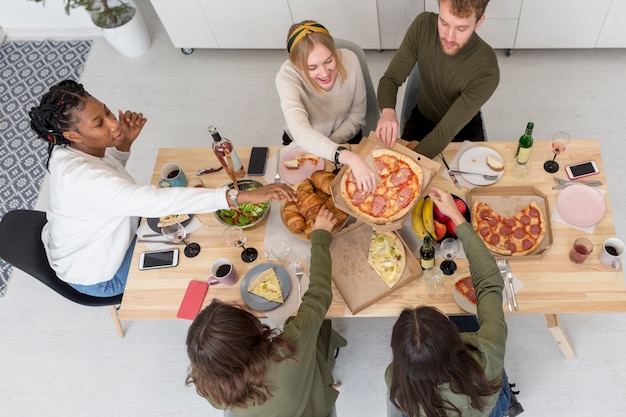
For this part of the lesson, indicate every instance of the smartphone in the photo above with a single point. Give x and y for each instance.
(158, 259)
(258, 159)
(581, 170)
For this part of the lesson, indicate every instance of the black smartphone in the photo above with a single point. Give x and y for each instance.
(258, 159)
(158, 259)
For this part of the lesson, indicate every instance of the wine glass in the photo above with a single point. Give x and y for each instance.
(177, 233)
(449, 248)
(235, 236)
(559, 143)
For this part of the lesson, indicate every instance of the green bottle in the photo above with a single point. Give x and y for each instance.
(427, 254)
(525, 144)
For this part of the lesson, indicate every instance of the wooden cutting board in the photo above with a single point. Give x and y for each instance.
(358, 283)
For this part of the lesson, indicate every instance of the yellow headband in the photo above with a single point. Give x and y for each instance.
(302, 31)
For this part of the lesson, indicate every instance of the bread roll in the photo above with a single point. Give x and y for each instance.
(322, 180)
(494, 163)
(293, 218)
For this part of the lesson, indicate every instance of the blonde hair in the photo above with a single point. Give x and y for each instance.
(300, 47)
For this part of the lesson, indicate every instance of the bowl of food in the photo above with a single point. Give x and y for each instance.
(248, 214)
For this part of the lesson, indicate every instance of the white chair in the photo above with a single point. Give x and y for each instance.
(373, 112)
(410, 99)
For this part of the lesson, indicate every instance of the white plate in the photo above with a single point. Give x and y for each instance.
(475, 160)
(260, 303)
(461, 301)
(581, 205)
(294, 176)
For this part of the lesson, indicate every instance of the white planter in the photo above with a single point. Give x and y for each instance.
(131, 39)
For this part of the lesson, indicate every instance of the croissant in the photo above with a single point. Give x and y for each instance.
(293, 218)
(322, 180)
(340, 215)
(309, 205)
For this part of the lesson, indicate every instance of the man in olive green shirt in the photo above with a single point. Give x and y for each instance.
(458, 73)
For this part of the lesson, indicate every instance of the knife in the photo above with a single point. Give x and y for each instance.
(277, 176)
(452, 177)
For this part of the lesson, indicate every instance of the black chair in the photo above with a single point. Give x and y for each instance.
(21, 246)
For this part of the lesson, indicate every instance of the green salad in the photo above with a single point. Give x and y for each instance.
(247, 213)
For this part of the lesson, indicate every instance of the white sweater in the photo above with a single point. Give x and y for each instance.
(317, 121)
(93, 207)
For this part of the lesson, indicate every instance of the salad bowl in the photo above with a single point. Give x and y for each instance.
(248, 214)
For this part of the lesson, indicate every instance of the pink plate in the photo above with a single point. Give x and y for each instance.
(581, 205)
(294, 176)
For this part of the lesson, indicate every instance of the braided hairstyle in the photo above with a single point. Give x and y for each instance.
(54, 115)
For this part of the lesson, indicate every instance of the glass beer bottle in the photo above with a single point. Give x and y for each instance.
(427, 254)
(525, 144)
(222, 147)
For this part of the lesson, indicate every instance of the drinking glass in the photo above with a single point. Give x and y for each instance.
(235, 236)
(177, 233)
(559, 143)
(449, 248)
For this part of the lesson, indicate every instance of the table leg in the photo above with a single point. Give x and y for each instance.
(552, 321)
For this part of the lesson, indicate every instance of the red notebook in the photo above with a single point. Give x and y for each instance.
(193, 299)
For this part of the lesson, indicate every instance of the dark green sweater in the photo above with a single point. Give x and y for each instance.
(489, 342)
(452, 88)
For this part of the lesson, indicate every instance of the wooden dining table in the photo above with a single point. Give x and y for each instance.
(552, 284)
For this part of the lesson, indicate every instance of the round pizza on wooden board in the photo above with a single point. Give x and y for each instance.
(400, 184)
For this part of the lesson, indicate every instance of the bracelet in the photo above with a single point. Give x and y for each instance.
(337, 152)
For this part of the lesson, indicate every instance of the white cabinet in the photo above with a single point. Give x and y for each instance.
(613, 34)
(500, 25)
(560, 23)
(185, 23)
(354, 20)
(249, 24)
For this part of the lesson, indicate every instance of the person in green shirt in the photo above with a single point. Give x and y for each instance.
(437, 371)
(458, 73)
(240, 364)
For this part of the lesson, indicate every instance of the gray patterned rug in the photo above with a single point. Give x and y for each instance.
(27, 71)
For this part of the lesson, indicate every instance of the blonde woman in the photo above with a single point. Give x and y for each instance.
(323, 98)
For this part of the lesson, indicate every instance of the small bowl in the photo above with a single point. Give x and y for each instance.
(244, 184)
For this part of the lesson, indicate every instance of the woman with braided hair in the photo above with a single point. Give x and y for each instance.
(323, 98)
(94, 201)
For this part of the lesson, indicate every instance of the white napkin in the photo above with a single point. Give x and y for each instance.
(454, 164)
(299, 249)
(157, 243)
(517, 285)
(556, 216)
(281, 313)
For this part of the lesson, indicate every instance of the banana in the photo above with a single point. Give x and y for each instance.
(427, 217)
(416, 220)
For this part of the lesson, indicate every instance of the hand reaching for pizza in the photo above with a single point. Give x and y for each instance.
(325, 220)
(445, 203)
(364, 176)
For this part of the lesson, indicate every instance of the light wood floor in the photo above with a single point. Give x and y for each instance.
(57, 358)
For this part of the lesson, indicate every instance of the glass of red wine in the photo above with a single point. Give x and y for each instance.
(177, 233)
(234, 235)
(559, 143)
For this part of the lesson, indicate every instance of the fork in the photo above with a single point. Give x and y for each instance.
(299, 276)
(502, 267)
(509, 276)
(485, 176)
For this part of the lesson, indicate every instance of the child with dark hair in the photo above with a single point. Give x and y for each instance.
(94, 201)
(239, 364)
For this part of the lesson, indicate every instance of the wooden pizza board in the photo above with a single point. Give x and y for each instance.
(364, 150)
(358, 283)
(508, 201)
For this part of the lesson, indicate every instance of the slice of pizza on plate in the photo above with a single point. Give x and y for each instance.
(172, 219)
(464, 286)
(267, 285)
(386, 255)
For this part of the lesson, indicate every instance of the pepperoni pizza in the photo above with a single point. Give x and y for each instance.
(517, 235)
(400, 184)
(464, 286)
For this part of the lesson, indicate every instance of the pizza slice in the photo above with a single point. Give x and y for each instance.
(172, 219)
(267, 285)
(464, 286)
(386, 255)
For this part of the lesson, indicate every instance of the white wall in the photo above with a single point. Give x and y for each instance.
(27, 19)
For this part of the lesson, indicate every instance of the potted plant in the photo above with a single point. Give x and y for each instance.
(120, 21)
